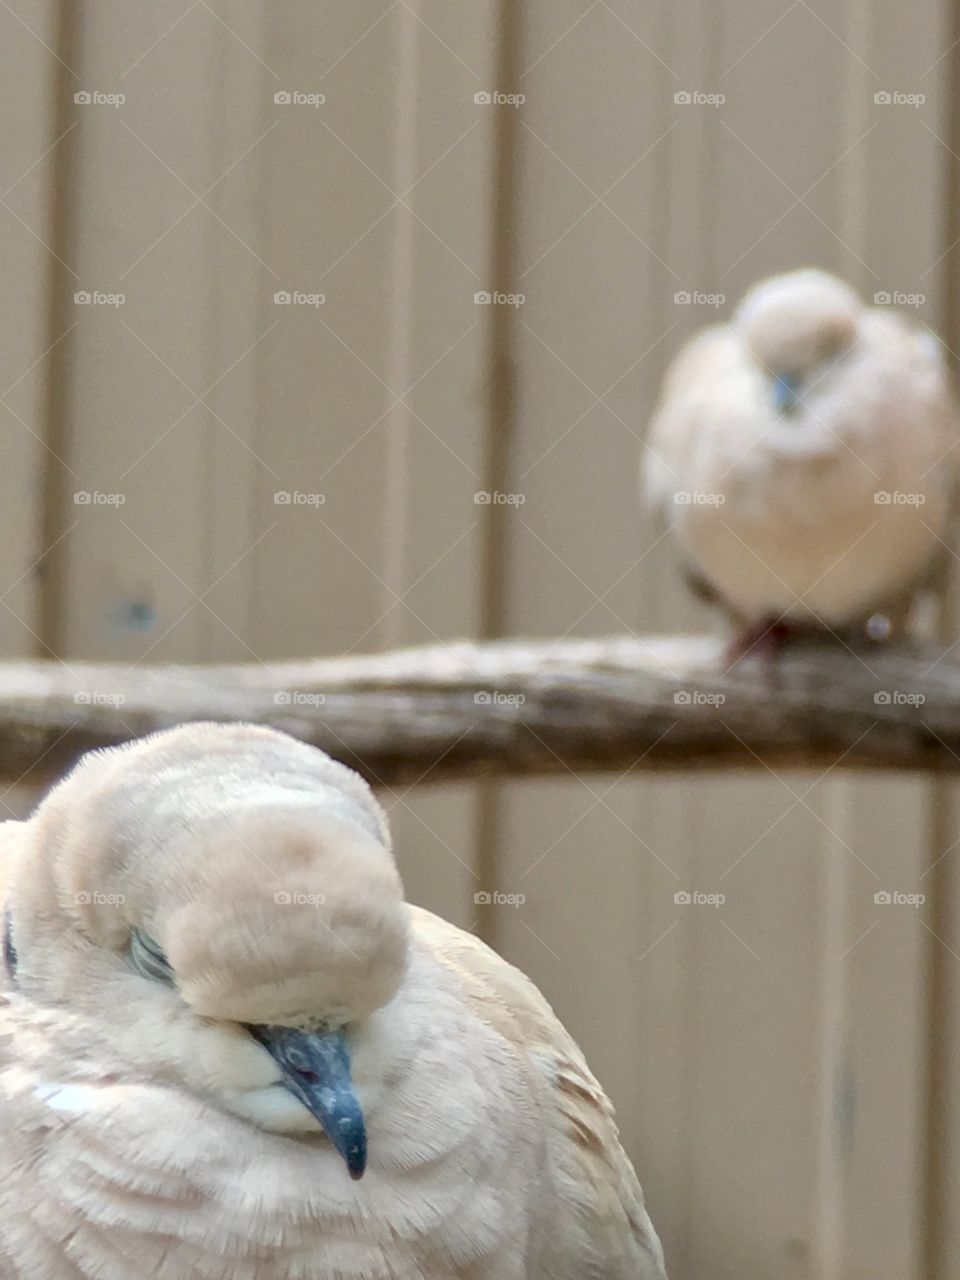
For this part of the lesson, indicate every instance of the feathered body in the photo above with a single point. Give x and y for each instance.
(146, 1133)
(805, 456)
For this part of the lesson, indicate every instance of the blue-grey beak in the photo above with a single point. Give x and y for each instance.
(786, 393)
(316, 1069)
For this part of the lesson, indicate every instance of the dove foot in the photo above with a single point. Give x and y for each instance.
(767, 640)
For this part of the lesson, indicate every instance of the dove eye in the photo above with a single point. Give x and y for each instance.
(149, 958)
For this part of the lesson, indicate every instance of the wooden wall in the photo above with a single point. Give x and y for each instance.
(781, 1063)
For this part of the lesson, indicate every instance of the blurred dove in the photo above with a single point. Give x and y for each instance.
(218, 1006)
(804, 456)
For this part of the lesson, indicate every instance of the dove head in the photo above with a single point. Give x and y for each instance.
(209, 893)
(795, 326)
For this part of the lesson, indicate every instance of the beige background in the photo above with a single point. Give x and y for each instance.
(782, 1065)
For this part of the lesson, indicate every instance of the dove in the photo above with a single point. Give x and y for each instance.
(804, 456)
(229, 1048)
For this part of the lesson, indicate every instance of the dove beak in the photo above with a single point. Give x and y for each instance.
(786, 392)
(316, 1069)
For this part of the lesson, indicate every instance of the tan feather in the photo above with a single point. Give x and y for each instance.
(147, 1132)
(805, 456)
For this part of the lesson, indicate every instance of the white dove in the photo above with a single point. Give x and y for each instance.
(218, 1006)
(804, 455)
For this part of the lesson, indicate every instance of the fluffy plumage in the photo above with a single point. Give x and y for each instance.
(146, 1132)
(804, 455)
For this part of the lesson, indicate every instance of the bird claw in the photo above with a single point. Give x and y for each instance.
(768, 639)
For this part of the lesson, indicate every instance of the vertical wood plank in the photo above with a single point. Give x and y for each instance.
(31, 324)
(28, 323)
(942, 874)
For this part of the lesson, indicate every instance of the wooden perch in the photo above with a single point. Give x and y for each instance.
(518, 708)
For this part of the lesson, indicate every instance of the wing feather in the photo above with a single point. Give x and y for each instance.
(606, 1231)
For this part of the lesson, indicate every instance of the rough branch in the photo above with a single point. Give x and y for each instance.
(514, 708)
